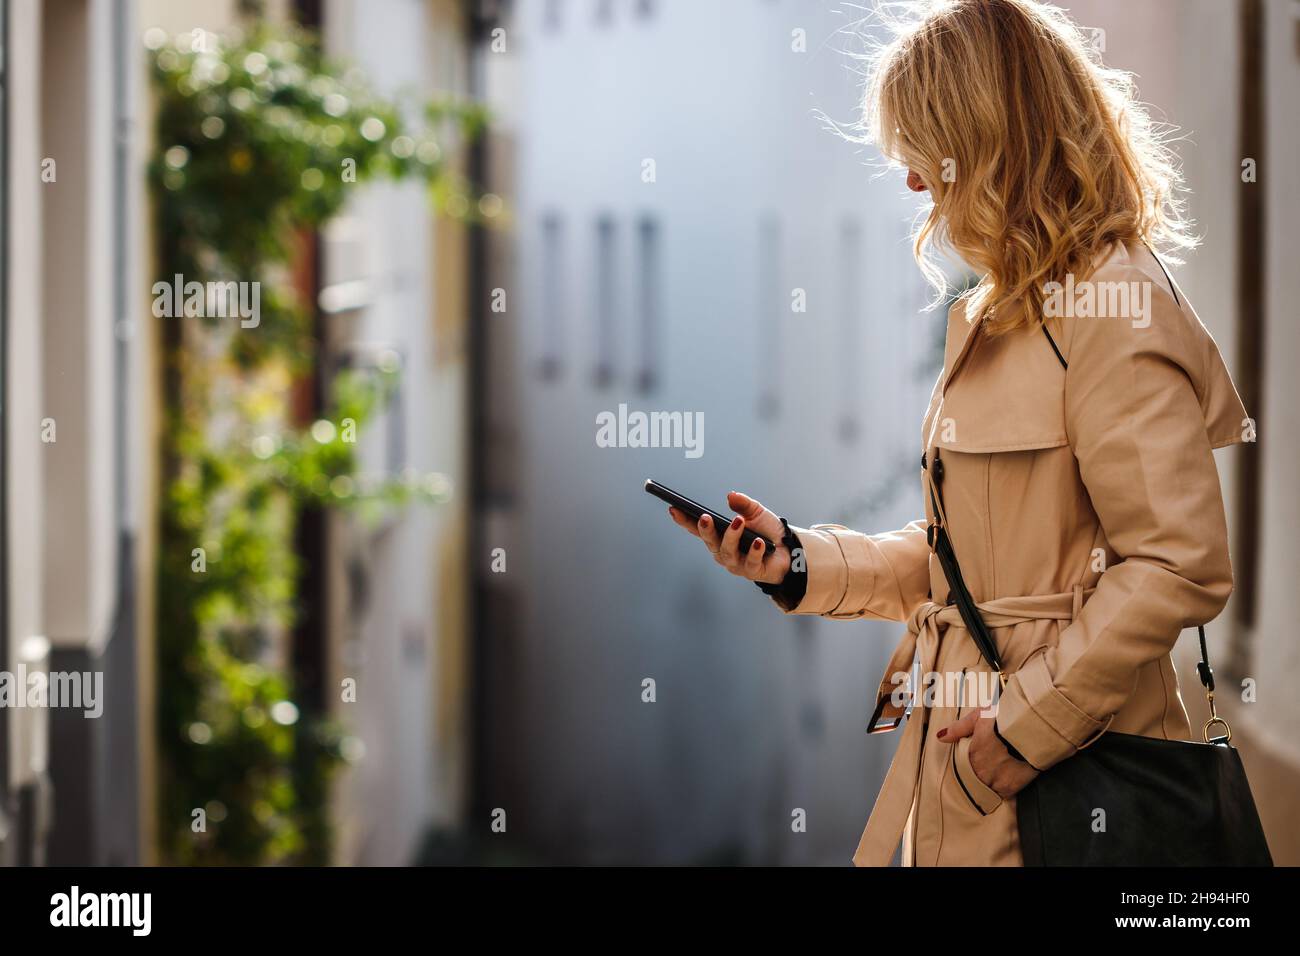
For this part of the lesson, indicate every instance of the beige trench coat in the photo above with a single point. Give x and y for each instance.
(1085, 509)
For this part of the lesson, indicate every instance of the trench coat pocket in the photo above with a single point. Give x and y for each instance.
(982, 798)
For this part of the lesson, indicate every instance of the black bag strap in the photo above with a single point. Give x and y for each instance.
(1061, 358)
(937, 536)
(1168, 279)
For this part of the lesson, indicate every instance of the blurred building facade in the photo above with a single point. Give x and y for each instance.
(686, 236)
(76, 432)
(385, 606)
(689, 237)
(394, 289)
(672, 193)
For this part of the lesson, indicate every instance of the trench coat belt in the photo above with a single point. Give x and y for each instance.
(926, 626)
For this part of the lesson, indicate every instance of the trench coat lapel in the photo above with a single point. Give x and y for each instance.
(957, 346)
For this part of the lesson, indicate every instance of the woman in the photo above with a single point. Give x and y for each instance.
(1067, 445)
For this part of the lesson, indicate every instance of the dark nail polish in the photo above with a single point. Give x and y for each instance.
(943, 733)
(735, 522)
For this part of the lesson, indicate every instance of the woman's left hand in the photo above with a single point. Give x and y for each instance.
(991, 761)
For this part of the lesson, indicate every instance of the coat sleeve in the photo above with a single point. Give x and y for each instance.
(1139, 403)
(854, 575)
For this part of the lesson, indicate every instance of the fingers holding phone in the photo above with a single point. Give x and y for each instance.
(755, 562)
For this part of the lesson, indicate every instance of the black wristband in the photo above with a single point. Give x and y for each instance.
(791, 540)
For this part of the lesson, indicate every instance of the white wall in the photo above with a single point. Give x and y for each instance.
(24, 402)
(78, 372)
(756, 714)
(392, 635)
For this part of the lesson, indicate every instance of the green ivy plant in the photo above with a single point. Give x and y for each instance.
(259, 142)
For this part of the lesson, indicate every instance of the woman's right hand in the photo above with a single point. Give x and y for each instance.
(724, 543)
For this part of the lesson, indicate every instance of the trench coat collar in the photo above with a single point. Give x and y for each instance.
(957, 348)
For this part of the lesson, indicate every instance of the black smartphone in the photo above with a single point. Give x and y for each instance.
(695, 510)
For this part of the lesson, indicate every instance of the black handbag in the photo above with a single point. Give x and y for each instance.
(1124, 799)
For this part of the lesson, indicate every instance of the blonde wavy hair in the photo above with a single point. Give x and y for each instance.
(1037, 157)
